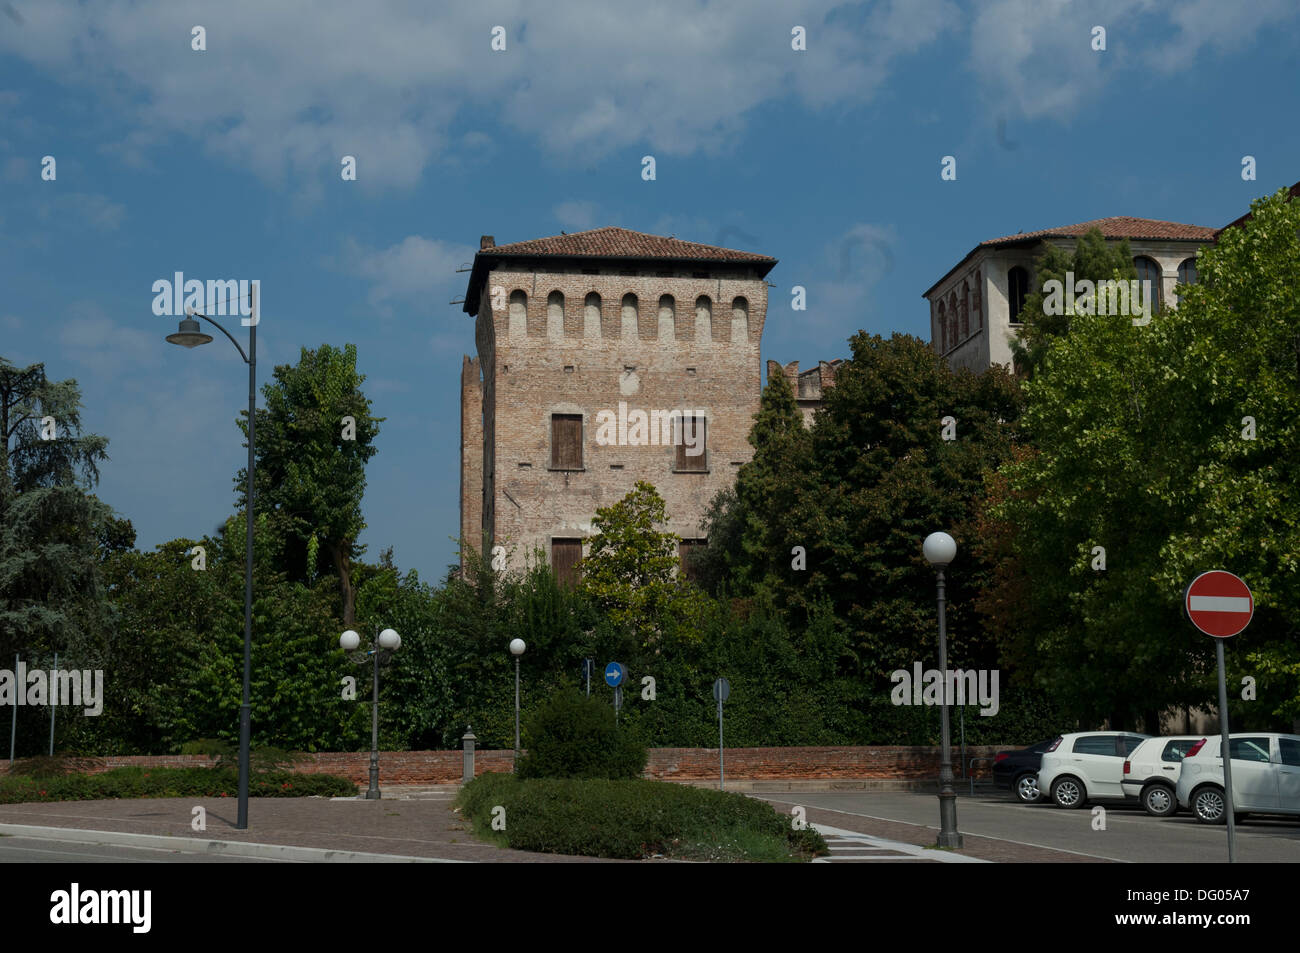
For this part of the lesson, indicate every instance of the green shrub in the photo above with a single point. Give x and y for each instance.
(138, 782)
(634, 819)
(573, 736)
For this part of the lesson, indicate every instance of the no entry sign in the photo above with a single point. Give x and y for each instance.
(1219, 603)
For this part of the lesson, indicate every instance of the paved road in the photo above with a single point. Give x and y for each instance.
(1130, 835)
(30, 850)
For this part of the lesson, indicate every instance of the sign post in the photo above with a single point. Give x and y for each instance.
(721, 692)
(587, 665)
(615, 673)
(1221, 605)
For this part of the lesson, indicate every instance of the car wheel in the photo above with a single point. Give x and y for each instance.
(1068, 792)
(1026, 788)
(1209, 806)
(1158, 800)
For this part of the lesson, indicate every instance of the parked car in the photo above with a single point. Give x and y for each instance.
(1151, 772)
(1265, 776)
(1017, 771)
(1086, 766)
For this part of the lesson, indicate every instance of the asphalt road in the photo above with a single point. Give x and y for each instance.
(30, 850)
(1130, 834)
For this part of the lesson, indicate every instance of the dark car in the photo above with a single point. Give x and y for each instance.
(1017, 771)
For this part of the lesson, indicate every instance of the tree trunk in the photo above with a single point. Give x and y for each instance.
(343, 567)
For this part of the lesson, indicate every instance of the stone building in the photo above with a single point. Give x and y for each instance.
(809, 386)
(604, 357)
(975, 306)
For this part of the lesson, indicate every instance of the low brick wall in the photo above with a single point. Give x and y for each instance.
(896, 762)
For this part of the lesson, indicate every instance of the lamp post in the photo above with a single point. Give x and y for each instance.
(517, 649)
(388, 639)
(939, 550)
(189, 335)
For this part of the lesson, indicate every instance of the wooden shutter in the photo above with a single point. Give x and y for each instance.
(566, 441)
(694, 427)
(687, 549)
(565, 555)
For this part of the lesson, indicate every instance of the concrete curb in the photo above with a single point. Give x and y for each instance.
(744, 786)
(189, 845)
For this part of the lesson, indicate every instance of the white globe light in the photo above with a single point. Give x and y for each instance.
(940, 549)
(389, 639)
(517, 646)
(349, 640)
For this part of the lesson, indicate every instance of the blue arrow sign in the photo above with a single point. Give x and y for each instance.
(614, 674)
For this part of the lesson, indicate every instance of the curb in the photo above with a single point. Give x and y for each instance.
(190, 845)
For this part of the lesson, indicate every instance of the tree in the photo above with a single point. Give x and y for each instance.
(631, 572)
(1174, 447)
(1092, 259)
(311, 463)
(51, 594)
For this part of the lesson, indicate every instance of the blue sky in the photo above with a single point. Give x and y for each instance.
(225, 163)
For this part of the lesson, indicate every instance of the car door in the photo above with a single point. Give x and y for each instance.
(1254, 780)
(1288, 775)
(1097, 759)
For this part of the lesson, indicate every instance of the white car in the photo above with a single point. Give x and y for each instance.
(1085, 766)
(1151, 772)
(1265, 776)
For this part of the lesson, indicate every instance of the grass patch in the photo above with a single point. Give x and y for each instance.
(633, 820)
(138, 782)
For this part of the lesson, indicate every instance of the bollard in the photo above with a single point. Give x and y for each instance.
(467, 742)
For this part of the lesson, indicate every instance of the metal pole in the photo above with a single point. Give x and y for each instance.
(516, 709)
(245, 730)
(373, 793)
(53, 707)
(949, 836)
(962, 715)
(587, 668)
(722, 770)
(1227, 755)
(13, 729)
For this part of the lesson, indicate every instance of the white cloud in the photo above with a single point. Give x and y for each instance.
(91, 338)
(410, 271)
(286, 89)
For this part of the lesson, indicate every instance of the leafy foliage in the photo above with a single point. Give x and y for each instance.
(573, 736)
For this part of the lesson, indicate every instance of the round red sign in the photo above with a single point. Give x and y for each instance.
(1219, 603)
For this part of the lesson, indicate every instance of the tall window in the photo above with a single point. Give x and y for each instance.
(704, 318)
(518, 314)
(692, 449)
(965, 311)
(629, 315)
(1148, 270)
(555, 315)
(1187, 273)
(941, 332)
(667, 316)
(566, 554)
(1017, 292)
(740, 320)
(566, 441)
(591, 316)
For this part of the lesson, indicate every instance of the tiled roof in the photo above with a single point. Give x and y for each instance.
(1118, 226)
(613, 242)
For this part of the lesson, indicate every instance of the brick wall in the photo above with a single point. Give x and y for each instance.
(665, 764)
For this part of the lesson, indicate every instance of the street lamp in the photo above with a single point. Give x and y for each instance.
(940, 549)
(189, 335)
(517, 649)
(388, 639)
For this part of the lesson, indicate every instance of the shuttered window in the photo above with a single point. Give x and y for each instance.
(565, 555)
(691, 446)
(686, 551)
(566, 441)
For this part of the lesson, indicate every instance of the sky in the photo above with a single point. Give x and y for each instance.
(226, 163)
